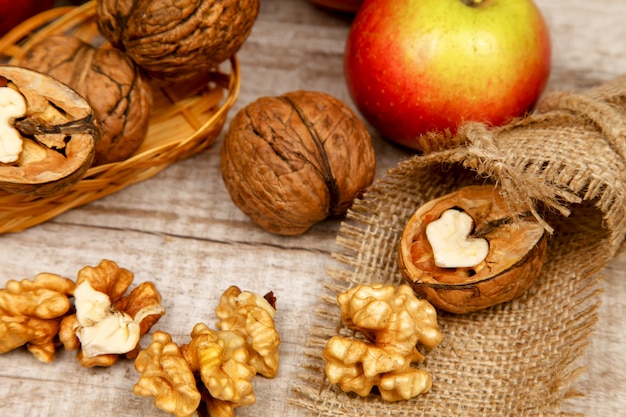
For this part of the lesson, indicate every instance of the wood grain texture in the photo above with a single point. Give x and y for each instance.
(181, 231)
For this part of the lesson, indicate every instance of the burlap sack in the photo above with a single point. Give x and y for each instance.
(568, 160)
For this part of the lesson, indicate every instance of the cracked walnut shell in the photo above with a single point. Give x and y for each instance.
(516, 248)
(291, 161)
(176, 40)
(48, 133)
(112, 84)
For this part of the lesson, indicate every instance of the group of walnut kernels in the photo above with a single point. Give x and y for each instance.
(210, 375)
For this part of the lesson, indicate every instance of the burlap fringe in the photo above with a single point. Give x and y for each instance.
(568, 162)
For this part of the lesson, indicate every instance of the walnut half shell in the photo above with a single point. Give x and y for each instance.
(49, 145)
(517, 246)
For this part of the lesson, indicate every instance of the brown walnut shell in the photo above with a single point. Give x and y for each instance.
(59, 133)
(291, 161)
(112, 84)
(517, 249)
(175, 40)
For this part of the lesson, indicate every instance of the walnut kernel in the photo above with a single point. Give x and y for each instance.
(30, 312)
(394, 321)
(212, 374)
(251, 316)
(166, 376)
(108, 323)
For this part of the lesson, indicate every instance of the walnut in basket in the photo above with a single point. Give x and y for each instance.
(113, 85)
(177, 40)
(291, 161)
(48, 133)
(471, 249)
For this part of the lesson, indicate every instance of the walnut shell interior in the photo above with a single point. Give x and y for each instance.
(59, 134)
(517, 249)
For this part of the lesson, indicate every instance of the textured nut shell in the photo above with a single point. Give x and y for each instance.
(112, 84)
(291, 161)
(58, 170)
(517, 251)
(177, 39)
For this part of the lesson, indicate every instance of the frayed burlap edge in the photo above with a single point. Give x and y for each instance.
(519, 358)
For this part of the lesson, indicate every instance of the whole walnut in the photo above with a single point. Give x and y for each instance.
(176, 39)
(113, 85)
(291, 161)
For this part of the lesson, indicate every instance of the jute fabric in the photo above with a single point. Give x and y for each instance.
(568, 161)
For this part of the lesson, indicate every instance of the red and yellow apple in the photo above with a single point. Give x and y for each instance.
(14, 12)
(419, 66)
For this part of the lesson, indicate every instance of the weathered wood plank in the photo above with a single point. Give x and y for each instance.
(181, 230)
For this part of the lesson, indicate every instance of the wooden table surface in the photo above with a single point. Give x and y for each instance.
(181, 230)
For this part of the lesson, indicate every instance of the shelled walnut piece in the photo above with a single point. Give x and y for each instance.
(221, 360)
(114, 86)
(167, 377)
(438, 240)
(30, 312)
(107, 323)
(252, 316)
(291, 161)
(393, 321)
(48, 133)
(177, 40)
(212, 374)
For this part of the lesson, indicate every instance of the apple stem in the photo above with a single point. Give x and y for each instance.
(472, 3)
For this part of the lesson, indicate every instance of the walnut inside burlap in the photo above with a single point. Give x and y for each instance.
(568, 160)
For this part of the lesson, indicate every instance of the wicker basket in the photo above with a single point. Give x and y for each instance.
(185, 119)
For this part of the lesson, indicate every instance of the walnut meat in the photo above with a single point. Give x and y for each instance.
(252, 316)
(394, 321)
(108, 323)
(210, 374)
(291, 161)
(48, 133)
(112, 84)
(471, 249)
(30, 312)
(166, 376)
(177, 39)
(221, 361)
